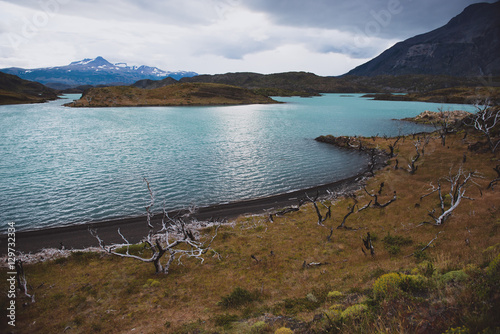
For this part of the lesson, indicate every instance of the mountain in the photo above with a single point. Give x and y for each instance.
(93, 72)
(468, 45)
(14, 90)
(303, 83)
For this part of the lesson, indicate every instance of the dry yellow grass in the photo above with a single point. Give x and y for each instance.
(99, 293)
(182, 94)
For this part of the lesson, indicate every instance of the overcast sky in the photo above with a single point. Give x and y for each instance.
(326, 37)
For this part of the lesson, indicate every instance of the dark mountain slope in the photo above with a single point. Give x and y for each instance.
(468, 45)
(14, 90)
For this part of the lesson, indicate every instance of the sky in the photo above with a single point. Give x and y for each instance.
(326, 37)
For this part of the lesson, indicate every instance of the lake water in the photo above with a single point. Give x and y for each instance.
(61, 166)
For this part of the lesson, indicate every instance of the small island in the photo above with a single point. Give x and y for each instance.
(182, 94)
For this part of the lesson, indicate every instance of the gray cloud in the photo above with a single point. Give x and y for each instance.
(214, 36)
(396, 18)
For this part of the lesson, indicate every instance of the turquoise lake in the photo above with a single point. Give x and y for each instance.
(61, 166)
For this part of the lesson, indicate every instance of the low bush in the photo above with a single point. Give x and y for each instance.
(225, 320)
(354, 311)
(238, 297)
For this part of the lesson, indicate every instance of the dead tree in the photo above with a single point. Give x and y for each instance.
(373, 162)
(485, 120)
(392, 147)
(290, 209)
(321, 218)
(22, 283)
(444, 125)
(426, 246)
(376, 203)
(412, 168)
(350, 209)
(175, 239)
(495, 180)
(367, 243)
(458, 186)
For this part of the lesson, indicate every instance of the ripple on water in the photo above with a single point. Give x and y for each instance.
(61, 166)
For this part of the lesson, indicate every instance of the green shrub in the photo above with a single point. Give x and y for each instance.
(283, 330)
(354, 311)
(84, 257)
(393, 250)
(426, 268)
(413, 283)
(237, 297)
(335, 294)
(387, 286)
(458, 330)
(295, 305)
(135, 249)
(493, 270)
(151, 283)
(394, 285)
(260, 327)
(225, 320)
(396, 240)
(454, 276)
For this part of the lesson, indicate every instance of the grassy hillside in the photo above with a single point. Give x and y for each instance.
(172, 95)
(303, 84)
(267, 274)
(14, 90)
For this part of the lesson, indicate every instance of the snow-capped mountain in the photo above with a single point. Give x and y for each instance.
(97, 71)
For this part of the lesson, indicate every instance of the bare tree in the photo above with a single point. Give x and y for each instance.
(393, 146)
(485, 119)
(22, 283)
(458, 186)
(350, 209)
(321, 218)
(495, 180)
(444, 125)
(412, 168)
(175, 239)
(367, 243)
(375, 196)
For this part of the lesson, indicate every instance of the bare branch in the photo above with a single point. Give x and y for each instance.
(458, 185)
(328, 214)
(174, 238)
(22, 283)
(427, 246)
(485, 120)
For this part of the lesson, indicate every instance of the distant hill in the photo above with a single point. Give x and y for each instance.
(468, 45)
(303, 84)
(93, 72)
(14, 90)
(180, 94)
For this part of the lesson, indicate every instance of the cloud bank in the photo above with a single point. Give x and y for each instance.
(214, 36)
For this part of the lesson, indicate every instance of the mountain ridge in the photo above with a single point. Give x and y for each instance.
(468, 45)
(93, 71)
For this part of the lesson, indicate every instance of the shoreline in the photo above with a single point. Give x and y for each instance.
(135, 228)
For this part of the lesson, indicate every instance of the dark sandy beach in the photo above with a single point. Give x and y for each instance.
(135, 228)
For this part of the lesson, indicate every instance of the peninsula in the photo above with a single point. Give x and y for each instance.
(182, 94)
